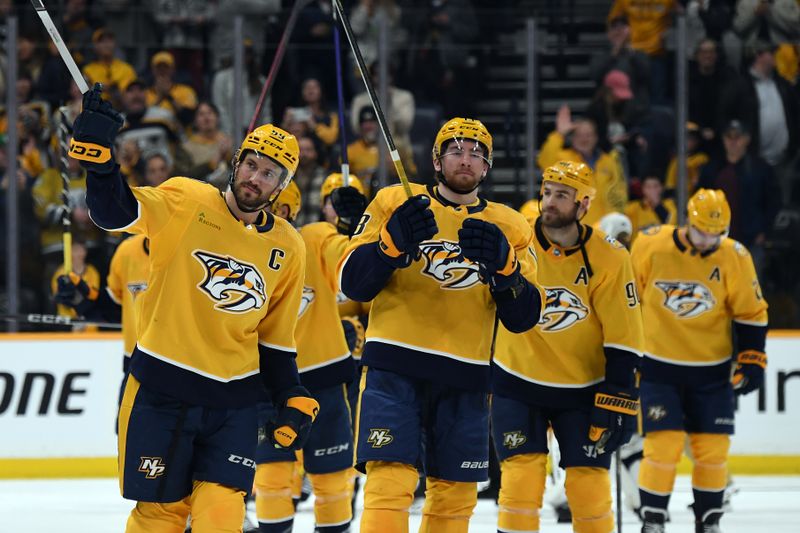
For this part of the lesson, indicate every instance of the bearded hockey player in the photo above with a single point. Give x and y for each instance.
(438, 267)
(698, 287)
(575, 371)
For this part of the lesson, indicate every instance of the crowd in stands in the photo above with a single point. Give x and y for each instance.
(167, 65)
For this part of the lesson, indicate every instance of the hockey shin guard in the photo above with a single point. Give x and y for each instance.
(589, 497)
(216, 508)
(149, 517)
(521, 492)
(332, 504)
(388, 494)
(710, 473)
(448, 506)
(274, 506)
(662, 451)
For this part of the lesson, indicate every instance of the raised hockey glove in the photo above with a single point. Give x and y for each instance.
(292, 425)
(410, 224)
(94, 132)
(485, 244)
(354, 334)
(73, 291)
(749, 373)
(349, 205)
(613, 417)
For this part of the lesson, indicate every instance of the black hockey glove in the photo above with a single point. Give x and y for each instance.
(94, 132)
(292, 425)
(73, 291)
(354, 334)
(349, 205)
(749, 373)
(613, 417)
(410, 224)
(485, 244)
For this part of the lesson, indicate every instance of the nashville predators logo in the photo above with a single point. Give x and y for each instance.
(514, 439)
(445, 263)
(687, 299)
(305, 300)
(151, 467)
(656, 412)
(379, 437)
(237, 287)
(563, 309)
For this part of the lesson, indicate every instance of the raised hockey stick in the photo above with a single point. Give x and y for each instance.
(66, 222)
(57, 320)
(276, 61)
(340, 101)
(38, 5)
(373, 97)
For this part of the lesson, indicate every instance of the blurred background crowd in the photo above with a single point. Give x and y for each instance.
(605, 95)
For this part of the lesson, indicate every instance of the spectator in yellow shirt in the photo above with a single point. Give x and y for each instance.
(652, 209)
(582, 136)
(694, 162)
(176, 97)
(362, 154)
(113, 73)
(84, 270)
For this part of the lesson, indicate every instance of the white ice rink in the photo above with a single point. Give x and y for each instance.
(763, 505)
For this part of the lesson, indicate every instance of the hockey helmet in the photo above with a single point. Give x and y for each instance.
(572, 174)
(336, 180)
(463, 128)
(275, 143)
(709, 211)
(290, 197)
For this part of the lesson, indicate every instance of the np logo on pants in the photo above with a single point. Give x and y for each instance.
(152, 467)
(379, 437)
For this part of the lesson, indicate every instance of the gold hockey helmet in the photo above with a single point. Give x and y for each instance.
(709, 211)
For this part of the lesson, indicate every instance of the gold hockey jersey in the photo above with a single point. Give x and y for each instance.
(435, 319)
(591, 310)
(323, 358)
(127, 279)
(689, 299)
(217, 289)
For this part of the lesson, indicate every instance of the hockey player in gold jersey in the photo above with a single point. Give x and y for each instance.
(575, 371)
(217, 329)
(697, 287)
(439, 267)
(326, 367)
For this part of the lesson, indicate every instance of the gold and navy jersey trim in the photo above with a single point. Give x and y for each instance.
(428, 351)
(510, 385)
(529, 379)
(677, 362)
(188, 368)
(126, 226)
(425, 364)
(277, 347)
(325, 375)
(479, 206)
(758, 323)
(675, 373)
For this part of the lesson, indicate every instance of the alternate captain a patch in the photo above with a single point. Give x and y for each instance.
(687, 299)
(445, 263)
(234, 286)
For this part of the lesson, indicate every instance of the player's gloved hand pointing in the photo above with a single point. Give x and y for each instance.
(292, 425)
(613, 417)
(410, 224)
(349, 205)
(94, 132)
(485, 244)
(749, 373)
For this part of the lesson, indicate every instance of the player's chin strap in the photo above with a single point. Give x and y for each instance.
(443, 180)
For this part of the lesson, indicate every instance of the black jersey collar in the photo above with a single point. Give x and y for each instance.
(686, 246)
(583, 238)
(477, 207)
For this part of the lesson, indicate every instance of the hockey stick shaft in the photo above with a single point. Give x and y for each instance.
(618, 478)
(66, 222)
(340, 101)
(38, 5)
(276, 61)
(57, 320)
(373, 97)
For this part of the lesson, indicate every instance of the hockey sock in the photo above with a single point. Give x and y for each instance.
(332, 504)
(448, 506)
(521, 492)
(274, 506)
(147, 517)
(589, 496)
(388, 494)
(216, 508)
(710, 473)
(662, 451)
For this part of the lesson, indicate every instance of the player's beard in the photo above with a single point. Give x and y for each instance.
(557, 220)
(459, 187)
(249, 205)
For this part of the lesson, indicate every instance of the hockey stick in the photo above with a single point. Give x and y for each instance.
(66, 222)
(276, 61)
(340, 101)
(398, 164)
(618, 477)
(38, 5)
(57, 320)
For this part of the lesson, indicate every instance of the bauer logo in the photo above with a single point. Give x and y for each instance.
(379, 437)
(305, 300)
(445, 263)
(475, 465)
(152, 467)
(563, 309)
(235, 286)
(514, 439)
(687, 299)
